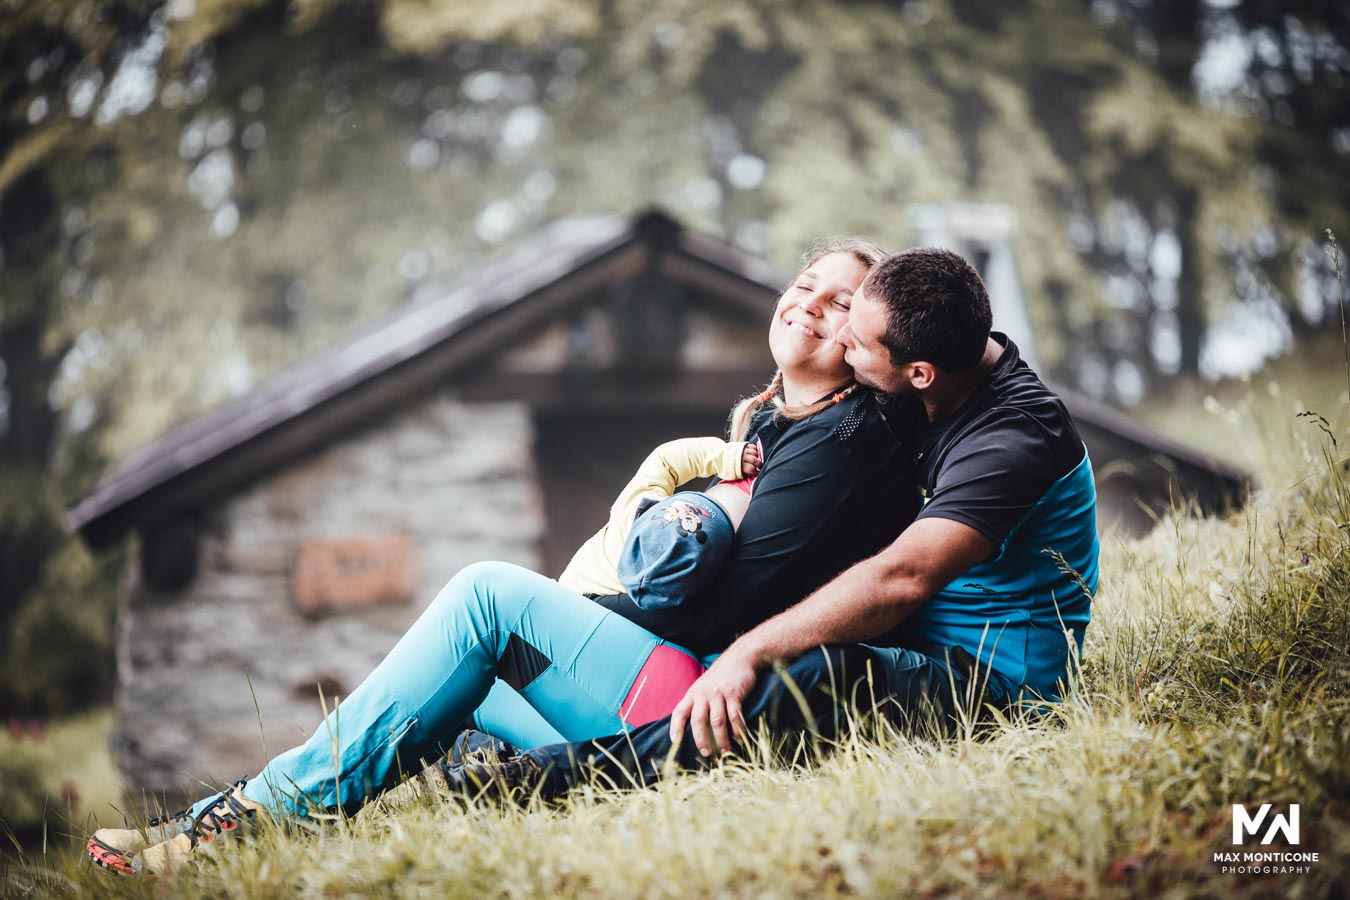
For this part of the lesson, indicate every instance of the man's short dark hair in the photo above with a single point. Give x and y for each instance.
(937, 309)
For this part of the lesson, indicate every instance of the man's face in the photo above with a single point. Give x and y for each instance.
(861, 337)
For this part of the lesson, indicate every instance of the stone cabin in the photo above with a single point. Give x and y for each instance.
(287, 539)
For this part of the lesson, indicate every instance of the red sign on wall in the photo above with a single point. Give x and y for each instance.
(353, 573)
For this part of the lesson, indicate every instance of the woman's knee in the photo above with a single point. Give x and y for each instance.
(481, 588)
(492, 593)
(482, 576)
(485, 579)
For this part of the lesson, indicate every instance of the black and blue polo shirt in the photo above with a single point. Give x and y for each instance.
(1010, 464)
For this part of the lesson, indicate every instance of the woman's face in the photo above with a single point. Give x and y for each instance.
(810, 314)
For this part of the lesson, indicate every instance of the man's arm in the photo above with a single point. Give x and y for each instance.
(866, 600)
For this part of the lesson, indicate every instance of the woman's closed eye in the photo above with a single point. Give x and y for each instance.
(839, 301)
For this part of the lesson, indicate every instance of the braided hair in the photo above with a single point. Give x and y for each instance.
(745, 411)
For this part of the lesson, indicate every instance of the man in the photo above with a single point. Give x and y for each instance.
(982, 601)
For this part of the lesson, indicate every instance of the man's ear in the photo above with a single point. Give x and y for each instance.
(921, 375)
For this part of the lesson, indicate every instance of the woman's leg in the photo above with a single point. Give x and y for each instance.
(507, 715)
(573, 660)
(540, 714)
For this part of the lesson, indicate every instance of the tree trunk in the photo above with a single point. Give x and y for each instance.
(28, 231)
(1190, 283)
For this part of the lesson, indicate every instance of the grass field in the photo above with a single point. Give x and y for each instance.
(1217, 671)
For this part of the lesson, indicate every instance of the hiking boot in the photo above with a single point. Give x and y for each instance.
(181, 834)
(469, 746)
(512, 780)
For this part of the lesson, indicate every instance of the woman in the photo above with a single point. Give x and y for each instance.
(567, 668)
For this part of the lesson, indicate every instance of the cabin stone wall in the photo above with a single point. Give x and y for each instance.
(407, 503)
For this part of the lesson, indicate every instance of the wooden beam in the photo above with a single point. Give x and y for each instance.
(613, 391)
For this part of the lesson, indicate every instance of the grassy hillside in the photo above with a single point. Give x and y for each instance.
(1217, 671)
(1263, 421)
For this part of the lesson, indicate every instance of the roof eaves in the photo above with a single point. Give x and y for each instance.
(392, 341)
(1130, 428)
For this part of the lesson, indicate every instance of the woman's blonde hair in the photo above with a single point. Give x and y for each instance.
(865, 252)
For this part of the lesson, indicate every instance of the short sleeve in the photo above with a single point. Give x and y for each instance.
(993, 474)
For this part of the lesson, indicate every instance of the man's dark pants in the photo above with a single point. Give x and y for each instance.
(817, 695)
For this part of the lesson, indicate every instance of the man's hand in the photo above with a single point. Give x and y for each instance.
(714, 702)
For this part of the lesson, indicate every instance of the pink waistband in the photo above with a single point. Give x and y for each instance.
(745, 484)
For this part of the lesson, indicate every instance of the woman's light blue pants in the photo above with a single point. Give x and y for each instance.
(566, 666)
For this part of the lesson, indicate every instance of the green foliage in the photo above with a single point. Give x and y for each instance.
(855, 112)
(30, 525)
(53, 780)
(59, 649)
(21, 799)
(56, 624)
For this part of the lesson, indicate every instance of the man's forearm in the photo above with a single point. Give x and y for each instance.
(864, 601)
(871, 597)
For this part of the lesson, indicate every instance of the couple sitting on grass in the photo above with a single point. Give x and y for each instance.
(905, 523)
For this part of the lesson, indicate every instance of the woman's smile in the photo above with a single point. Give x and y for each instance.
(802, 327)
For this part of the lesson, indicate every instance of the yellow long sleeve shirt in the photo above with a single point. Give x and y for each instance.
(594, 567)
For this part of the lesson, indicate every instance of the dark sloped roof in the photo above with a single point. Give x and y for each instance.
(1157, 465)
(414, 348)
(396, 338)
(405, 351)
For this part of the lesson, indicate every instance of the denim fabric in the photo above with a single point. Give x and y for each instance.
(675, 549)
(412, 705)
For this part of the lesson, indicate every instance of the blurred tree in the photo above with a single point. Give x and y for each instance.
(194, 194)
(1284, 67)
